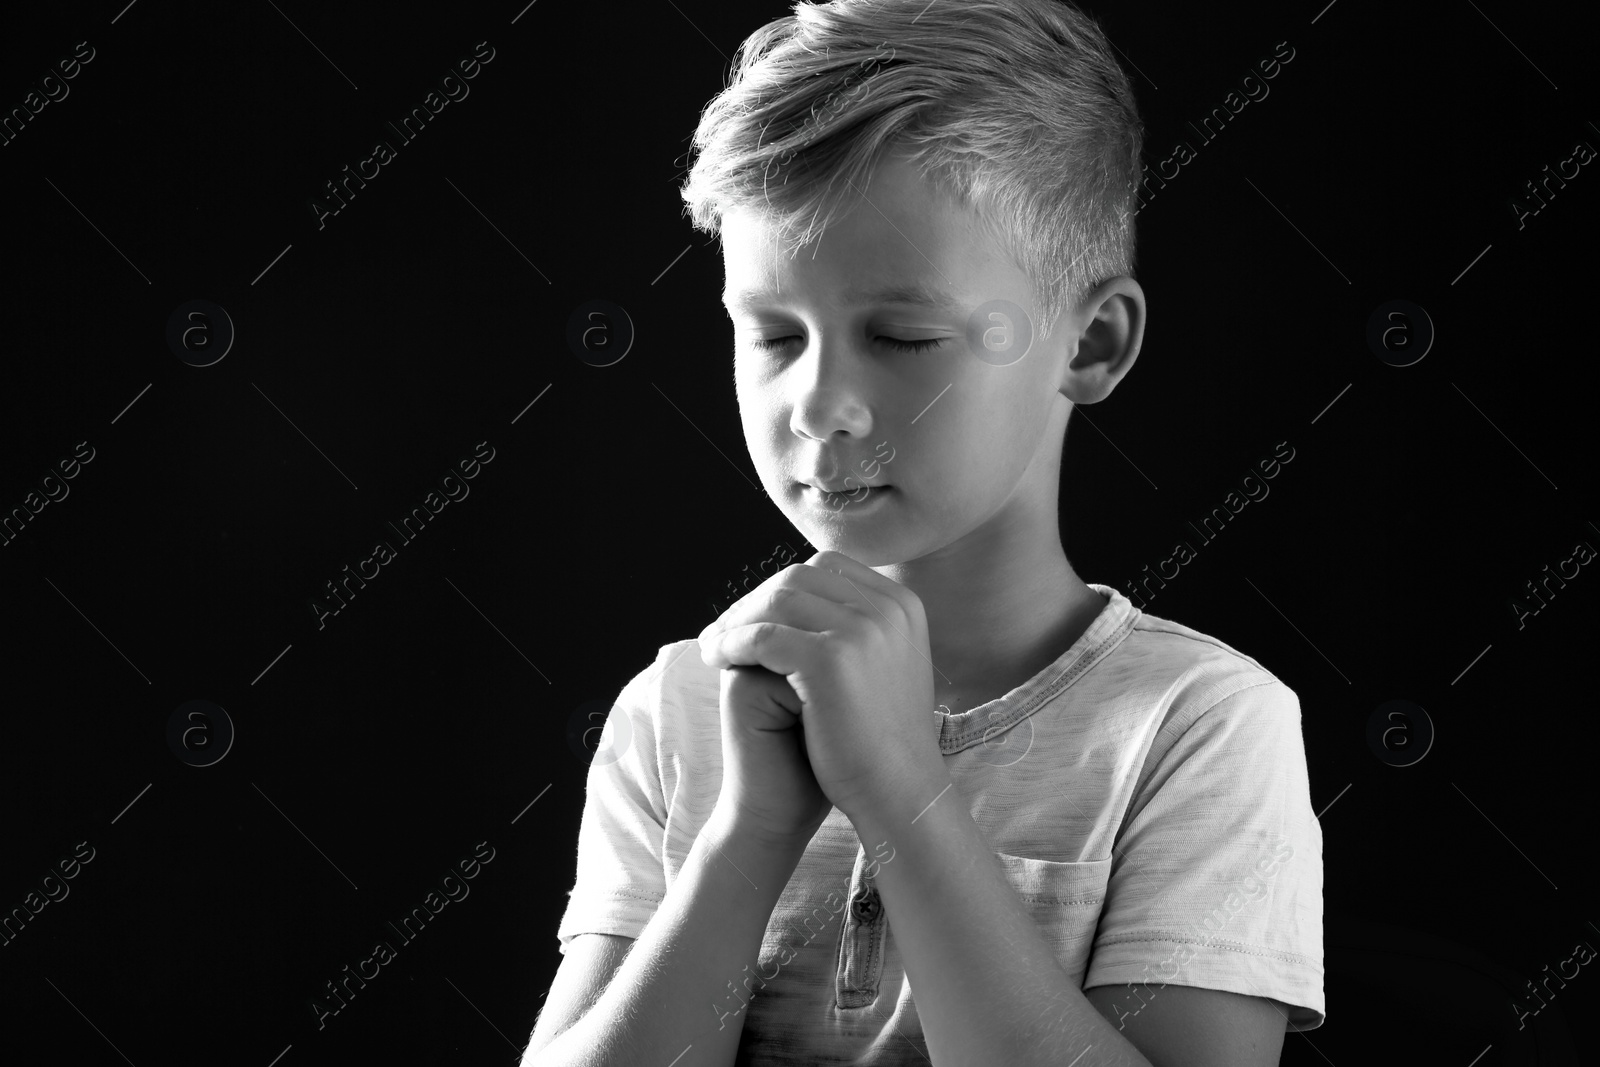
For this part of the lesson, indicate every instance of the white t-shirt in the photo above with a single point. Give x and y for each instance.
(1146, 795)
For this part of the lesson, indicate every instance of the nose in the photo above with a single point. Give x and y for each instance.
(830, 391)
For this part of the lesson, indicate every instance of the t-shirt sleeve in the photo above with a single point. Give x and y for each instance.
(621, 875)
(1216, 879)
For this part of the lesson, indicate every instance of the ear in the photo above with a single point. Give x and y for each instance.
(1106, 330)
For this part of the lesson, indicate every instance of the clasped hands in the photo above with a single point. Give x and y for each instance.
(827, 698)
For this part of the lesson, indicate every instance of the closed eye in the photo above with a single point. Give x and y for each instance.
(922, 345)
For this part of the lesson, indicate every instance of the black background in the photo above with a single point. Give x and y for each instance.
(428, 315)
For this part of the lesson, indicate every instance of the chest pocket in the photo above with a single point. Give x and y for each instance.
(1065, 900)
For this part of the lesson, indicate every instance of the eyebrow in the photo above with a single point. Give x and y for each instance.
(914, 295)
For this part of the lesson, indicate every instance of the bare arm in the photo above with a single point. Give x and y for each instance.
(588, 964)
(674, 992)
(987, 986)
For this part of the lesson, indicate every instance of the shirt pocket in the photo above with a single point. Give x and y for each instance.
(1064, 900)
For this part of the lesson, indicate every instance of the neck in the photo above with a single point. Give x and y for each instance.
(997, 615)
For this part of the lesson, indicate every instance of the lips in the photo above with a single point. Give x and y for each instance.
(840, 487)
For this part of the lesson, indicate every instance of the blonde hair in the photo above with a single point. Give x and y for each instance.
(1016, 108)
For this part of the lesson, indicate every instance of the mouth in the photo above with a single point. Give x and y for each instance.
(843, 499)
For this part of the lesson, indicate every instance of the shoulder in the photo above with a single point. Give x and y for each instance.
(667, 704)
(1170, 677)
(678, 677)
(1172, 642)
(675, 676)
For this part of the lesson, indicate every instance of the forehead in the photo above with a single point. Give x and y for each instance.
(899, 239)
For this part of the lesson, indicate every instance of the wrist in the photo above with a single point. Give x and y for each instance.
(901, 799)
(727, 829)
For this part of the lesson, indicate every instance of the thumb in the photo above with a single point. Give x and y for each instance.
(759, 698)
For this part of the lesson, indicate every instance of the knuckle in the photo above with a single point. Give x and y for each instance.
(781, 593)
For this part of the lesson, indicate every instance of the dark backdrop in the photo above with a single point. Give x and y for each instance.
(447, 703)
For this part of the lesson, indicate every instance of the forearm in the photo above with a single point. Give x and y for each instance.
(986, 986)
(682, 986)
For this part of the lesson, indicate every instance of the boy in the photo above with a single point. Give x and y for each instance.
(928, 797)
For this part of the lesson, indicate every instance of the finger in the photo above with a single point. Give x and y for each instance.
(786, 605)
(850, 581)
(796, 596)
(757, 687)
(831, 576)
(780, 649)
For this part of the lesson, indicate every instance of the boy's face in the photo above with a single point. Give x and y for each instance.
(969, 449)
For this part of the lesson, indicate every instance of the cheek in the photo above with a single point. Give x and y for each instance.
(1032, 409)
(987, 439)
(756, 411)
(985, 457)
(767, 440)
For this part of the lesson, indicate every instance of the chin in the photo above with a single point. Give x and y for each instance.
(875, 548)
